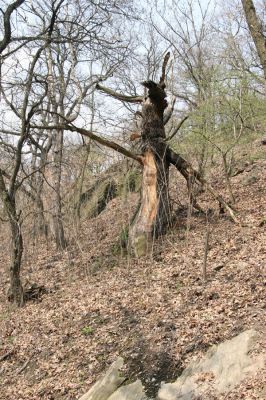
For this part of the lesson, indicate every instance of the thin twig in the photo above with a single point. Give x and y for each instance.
(6, 355)
(24, 366)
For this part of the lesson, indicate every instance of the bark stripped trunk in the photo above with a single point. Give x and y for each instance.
(153, 217)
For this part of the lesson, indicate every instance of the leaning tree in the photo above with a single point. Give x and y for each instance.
(257, 31)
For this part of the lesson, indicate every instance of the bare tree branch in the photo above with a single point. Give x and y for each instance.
(7, 25)
(177, 128)
(84, 132)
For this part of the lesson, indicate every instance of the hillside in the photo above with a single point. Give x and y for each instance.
(156, 312)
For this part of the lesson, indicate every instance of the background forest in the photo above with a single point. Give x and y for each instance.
(74, 81)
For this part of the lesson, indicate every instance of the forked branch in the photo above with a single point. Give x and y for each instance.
(176, 129)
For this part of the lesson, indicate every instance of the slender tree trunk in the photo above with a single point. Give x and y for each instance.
(81, 183)
(57, 217)
(227, 178)
(57, 227)
(36, 182)
(15, 291)
(40, 224)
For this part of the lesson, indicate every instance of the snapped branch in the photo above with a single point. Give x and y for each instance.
(165, 62)
(119, 96)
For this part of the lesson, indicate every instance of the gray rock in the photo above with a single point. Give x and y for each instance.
(134, 391)
(107, 385)
(222, 368)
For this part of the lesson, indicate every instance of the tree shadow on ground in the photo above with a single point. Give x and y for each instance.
(152, 367)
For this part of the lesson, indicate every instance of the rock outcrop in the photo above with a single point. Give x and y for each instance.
(222, 368)
(108, 387)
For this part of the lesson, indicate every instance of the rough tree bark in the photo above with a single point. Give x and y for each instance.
(153, 217)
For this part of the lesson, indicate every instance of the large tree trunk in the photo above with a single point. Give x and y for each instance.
(153, 217)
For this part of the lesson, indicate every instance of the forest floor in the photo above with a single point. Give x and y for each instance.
(155, 312)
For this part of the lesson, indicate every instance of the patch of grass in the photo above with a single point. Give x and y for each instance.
(120, 247)
(87, 331)
(123, 237)
(11, 338)
(116, 249)
(4, 315)
(178, 286)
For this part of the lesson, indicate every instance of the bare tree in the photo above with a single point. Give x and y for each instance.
(69, 85)
(23, 113)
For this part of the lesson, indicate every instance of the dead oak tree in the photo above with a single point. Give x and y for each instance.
(153, 217)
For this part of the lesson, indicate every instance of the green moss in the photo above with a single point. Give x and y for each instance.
(131, 182)
(141, 245)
